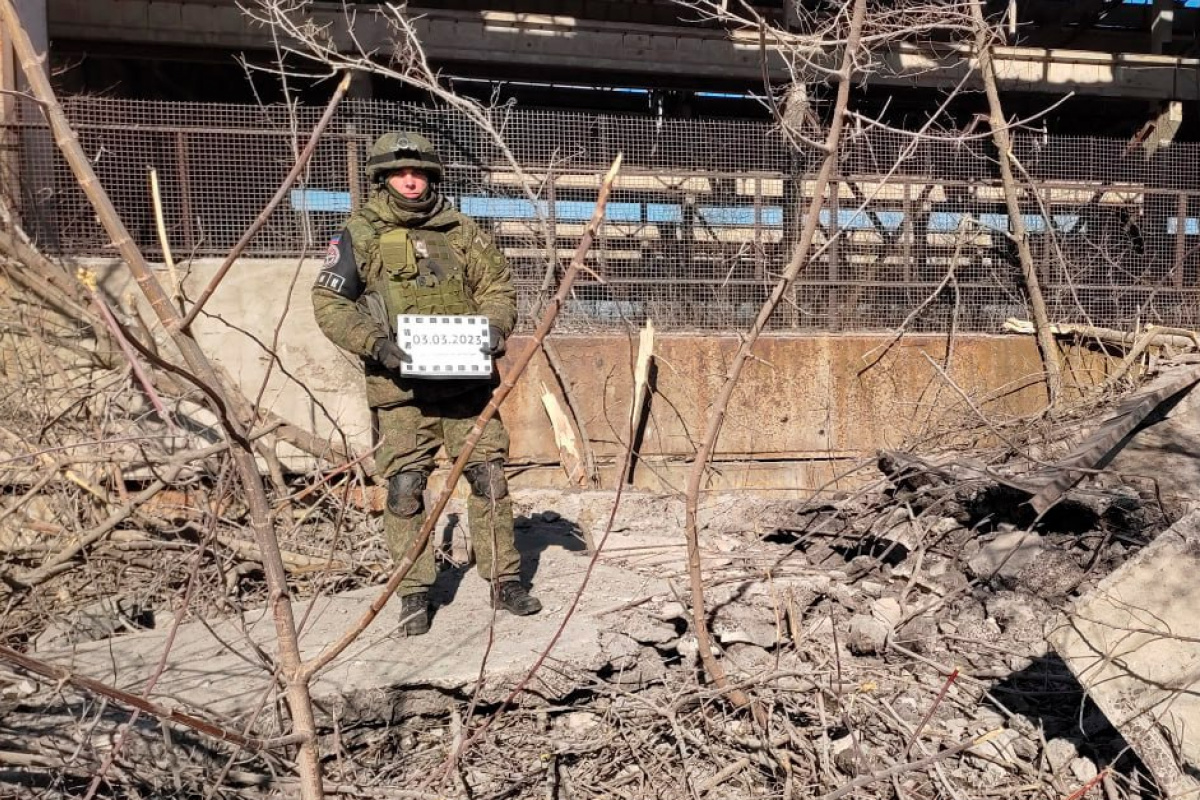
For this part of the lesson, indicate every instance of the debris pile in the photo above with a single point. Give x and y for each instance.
(894, 642)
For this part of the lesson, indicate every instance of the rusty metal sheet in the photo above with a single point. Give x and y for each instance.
(801, 396)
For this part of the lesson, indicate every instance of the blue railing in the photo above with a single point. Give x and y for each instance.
(510, 208)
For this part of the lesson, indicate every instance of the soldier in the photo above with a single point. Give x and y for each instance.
(406, 251)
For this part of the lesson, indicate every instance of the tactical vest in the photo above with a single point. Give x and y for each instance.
(418, 272)
(422, 274)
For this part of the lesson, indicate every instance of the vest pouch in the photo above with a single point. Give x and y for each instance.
(395, 251)
(436, 260)
(451, 297)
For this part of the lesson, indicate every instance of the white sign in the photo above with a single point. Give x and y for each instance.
(443, 346)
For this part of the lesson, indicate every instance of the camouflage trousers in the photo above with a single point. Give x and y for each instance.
(411, 434)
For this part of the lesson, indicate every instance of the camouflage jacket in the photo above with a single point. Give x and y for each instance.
(437, 261)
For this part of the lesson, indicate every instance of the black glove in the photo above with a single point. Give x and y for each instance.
(389, 354)
(494, 346)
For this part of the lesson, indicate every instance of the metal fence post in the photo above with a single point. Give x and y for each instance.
(551, 220)
(833, 253)
(906, 234)
(1181, 213)
(183, 169)
(352, 165)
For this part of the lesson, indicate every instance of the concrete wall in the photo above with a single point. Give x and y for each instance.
(807, 409)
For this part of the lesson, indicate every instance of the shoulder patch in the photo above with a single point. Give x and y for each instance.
(331, 281)
(339, 269)
(331, 252)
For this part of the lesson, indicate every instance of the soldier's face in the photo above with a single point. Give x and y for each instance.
(409, 182)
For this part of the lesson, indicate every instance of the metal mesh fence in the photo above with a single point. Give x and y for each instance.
(702, 222)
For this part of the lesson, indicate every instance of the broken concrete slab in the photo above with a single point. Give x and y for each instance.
(1166, 450)
(899, 529)
(1006, 556)
(95, 621)
(214, 668)
(747, 625)
(1053, 574)
(867, 635)
(1131, 644)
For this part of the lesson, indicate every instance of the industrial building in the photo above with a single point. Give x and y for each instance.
(703, 217)
(636, 56)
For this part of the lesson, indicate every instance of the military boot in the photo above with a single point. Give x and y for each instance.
(515, 598)
(414, 614)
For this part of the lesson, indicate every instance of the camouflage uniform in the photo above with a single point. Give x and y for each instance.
(396, 257)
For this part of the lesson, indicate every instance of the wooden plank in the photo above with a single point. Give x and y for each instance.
(565, 438)
(641, 385)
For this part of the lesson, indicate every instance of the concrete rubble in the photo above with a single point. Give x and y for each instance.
(850, 633)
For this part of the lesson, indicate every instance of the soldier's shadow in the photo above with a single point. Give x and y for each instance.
(535, 534)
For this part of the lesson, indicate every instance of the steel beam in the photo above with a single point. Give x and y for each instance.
(570, 45)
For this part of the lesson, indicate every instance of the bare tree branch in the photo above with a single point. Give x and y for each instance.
(300, 702)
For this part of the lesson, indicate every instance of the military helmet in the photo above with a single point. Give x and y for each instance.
(403, 149)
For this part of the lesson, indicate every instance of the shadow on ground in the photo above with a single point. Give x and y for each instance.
(536, 534)
(1047, 693)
